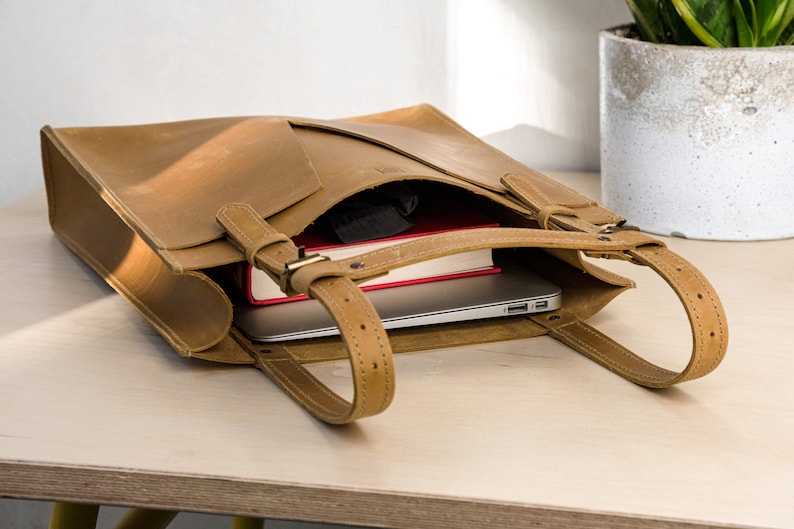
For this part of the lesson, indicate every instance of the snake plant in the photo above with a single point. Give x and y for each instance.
(715, 23)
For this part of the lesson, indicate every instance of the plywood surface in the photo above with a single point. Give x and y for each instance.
(94, 406)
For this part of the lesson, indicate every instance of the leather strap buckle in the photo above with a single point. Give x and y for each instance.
(292, 266)
(620, 226)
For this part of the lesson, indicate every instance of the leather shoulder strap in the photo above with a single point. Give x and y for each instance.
(704, 310)
(700, 302)
(333, 284)
(366, 341)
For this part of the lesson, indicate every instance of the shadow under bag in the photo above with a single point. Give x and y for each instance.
(157, 210)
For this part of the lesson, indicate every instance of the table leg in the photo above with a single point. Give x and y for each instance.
(145, 519)
(242, 522)
(73, 516)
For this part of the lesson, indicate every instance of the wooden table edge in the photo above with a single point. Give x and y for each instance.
(292, 501)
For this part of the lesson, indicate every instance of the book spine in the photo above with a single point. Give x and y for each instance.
(380, 286)
(259, 287)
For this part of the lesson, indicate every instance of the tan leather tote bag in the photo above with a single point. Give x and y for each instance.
(156, 209)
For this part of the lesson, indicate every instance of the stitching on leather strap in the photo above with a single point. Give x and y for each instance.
(297, 385)
(253, 235)
(252, 247)
(350, 332)
(231, 223)
(346, 328)
(611, 345)
(545, 213)
(673, 268)
(692, 312)
(294, 378)
(660, 259)
(384, 259)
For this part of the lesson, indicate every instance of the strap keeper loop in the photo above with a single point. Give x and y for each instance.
(545, 213)
(254, 247)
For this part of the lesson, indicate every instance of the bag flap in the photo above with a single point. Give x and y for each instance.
(425, 134)
(169, 180)
(347, 165)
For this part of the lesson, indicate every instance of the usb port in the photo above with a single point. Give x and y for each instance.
(518, 308)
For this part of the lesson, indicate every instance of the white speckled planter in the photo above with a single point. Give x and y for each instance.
(698, 142)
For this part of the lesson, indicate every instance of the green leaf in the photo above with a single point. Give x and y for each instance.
(647, 15)
(786, 37)
(710, 20)
(746, 27)
(677, 30)
(771, 20)
(719, 23)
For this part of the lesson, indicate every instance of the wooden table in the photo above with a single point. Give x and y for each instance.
(96, 408)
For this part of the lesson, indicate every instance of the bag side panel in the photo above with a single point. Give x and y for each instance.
(189, 310)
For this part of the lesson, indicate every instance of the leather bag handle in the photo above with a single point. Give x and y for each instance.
(702, 306)
(704, 310)
(333, 284)
(360, 326)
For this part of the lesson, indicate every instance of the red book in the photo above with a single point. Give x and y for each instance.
(260, 289)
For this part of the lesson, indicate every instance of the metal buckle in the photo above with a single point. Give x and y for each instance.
(290, 267)
(620, 226)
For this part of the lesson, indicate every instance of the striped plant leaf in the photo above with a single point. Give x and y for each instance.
(648, 16)
(710, 20)
(717, 23)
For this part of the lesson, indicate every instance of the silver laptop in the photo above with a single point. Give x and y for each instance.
(513, 291)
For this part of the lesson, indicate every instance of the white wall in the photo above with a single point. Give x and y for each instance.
(524, 75)
(520, 73)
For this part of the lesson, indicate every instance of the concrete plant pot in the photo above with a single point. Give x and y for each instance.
(698, 142)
